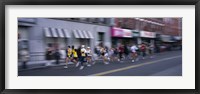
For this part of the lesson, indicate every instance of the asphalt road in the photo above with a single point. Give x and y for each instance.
(163, 64)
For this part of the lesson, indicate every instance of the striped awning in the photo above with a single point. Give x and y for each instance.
(82, 34)
(56, 32)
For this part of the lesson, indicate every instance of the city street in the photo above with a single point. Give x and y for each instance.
(163, 64)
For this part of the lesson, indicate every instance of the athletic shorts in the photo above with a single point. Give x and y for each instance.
(134, 53)
(75, 58)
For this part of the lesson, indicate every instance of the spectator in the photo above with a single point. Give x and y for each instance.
(49, 56)
(24, 57)
(57, 56)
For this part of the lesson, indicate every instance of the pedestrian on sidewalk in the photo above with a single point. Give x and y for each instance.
(24, 54)
(57, 55)
(63, 54)
(49, 56)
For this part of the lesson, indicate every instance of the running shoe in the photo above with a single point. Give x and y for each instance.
(88, 65)
(77, 64)
(65, 67)
(106, 63)
(81, 67)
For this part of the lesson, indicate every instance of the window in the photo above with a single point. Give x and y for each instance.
(101, 36)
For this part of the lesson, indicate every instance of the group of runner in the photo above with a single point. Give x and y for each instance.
(79, 56)
(83, 56)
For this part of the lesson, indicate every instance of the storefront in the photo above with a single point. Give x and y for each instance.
(166, 38)
(121, 36)
(56, 37)
(82, 38)
(147, 37)
(60, 34)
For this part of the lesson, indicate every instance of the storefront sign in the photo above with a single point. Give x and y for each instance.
(127, 33)
(118, 32)
(147, 34)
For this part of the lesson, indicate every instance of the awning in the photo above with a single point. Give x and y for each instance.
(56, 32)
(47, 32)
(76, 34)
(82, 34)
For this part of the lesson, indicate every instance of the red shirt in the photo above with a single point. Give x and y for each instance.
(121, 49)
(143, 47)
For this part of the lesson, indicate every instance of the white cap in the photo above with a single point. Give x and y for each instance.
(88, 47)
(83, 46)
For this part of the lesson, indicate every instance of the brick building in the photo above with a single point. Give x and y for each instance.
(164, 29)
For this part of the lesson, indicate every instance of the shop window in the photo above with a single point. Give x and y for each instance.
(101, 37)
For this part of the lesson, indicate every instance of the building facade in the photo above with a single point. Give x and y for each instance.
(37, 34)
(59, 33)
(151, 30)
(143, 29)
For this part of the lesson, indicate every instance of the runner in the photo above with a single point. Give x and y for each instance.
(111, 54)
(151, 50)
(88, 56)
(143, 50)
(134, 52)
(104, 55)
(69, 56)
(115, 54)
(121, 51)
(75, 57)
(126, 52)
(83, 56)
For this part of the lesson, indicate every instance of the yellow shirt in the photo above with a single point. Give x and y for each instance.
(69, 51)
(75, 53)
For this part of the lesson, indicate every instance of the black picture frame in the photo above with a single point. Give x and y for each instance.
(97, 2)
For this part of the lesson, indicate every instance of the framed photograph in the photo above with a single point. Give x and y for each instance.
(127, 46)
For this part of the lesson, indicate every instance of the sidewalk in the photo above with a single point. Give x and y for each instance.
(42, 64)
